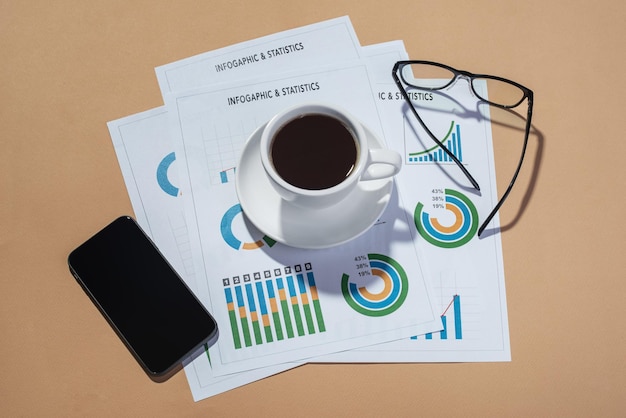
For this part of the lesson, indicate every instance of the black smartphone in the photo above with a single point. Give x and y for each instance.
(142, 297)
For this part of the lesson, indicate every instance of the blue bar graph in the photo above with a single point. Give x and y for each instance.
(452, 142)
(455, 304)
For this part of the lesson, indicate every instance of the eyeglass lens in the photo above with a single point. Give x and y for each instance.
(434, 77)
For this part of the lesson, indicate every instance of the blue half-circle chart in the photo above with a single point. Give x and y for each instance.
(226, 228)
(161, 175)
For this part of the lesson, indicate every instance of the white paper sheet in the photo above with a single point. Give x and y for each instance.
(208, 119)
(467, 274)
(329, 41)
(321, 43)
(148, 163)
(144, 151)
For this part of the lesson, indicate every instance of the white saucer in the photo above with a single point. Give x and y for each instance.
(307, 228)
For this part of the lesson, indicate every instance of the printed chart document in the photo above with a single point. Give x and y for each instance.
(466, 271)
(144, 151)
(280, 303)
(146, 156)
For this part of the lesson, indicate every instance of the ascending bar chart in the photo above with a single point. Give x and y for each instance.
(452, 142)
(451, 321)
(273, 305)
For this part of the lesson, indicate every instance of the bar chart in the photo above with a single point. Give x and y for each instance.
(273, 305)
(452, 141)
(451, 321)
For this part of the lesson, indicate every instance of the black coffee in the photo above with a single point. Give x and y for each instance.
(314, 152)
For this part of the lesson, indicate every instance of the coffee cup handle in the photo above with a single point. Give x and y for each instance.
(382, 163)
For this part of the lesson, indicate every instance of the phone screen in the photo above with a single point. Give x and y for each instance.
(143, 298)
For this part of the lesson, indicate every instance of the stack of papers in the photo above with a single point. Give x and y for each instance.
(419, 286)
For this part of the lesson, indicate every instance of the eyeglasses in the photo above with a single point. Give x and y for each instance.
(501, 93)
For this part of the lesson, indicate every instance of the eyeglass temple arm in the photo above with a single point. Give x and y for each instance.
(517, 170)
(432, 136)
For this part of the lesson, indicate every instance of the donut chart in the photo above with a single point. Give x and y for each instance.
(226, 229)
(395, 287)
(459, 232)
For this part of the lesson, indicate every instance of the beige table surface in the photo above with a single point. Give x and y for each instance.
(68, 67)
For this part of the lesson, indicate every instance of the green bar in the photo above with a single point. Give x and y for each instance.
(273, 298)
(246, 332)
(318, 314)
(257, 332)
(305, 305)
(288, 324)
(279, 328)
(294, 306)
(254, 311)
(316, 303)
(285, 308)
(234, 329)
(309, 318)
(206, 350)
(233, 317)
(264, 312)
(244, 323)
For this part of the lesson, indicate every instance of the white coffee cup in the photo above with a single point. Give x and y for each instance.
(307, 156)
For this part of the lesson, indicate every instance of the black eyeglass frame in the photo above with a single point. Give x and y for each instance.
(528, 94)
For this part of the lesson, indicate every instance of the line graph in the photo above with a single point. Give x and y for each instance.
(452, 141)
